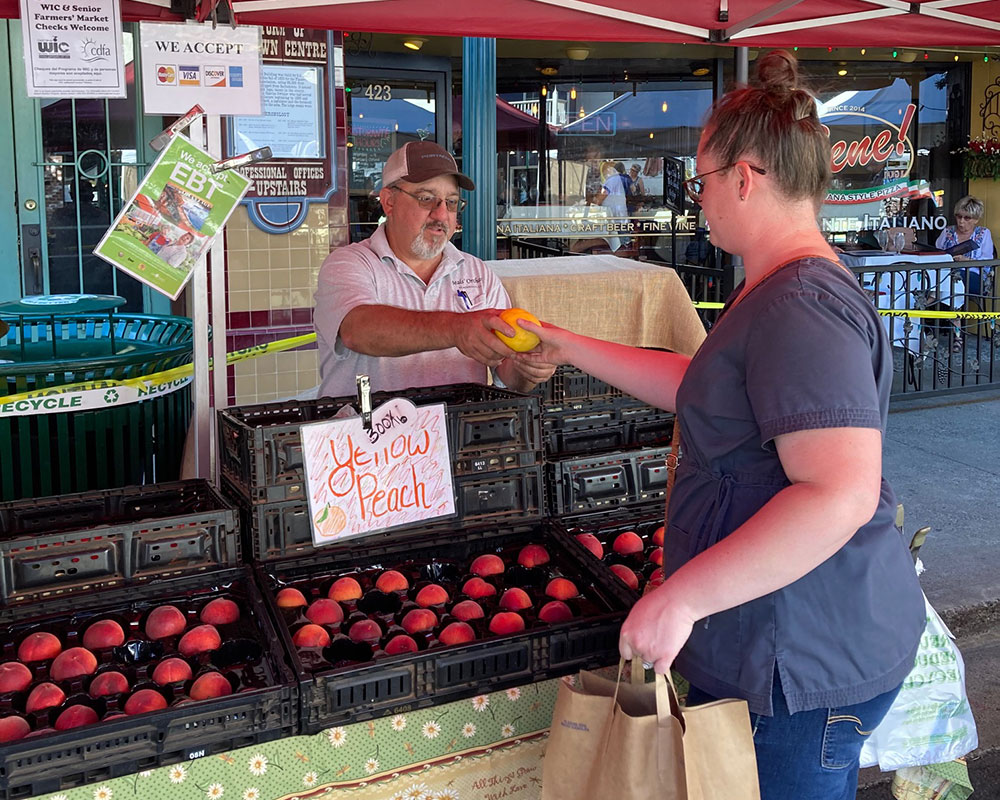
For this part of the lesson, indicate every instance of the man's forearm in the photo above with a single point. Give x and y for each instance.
(391, 331)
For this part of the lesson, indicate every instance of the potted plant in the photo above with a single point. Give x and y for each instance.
(981, 157)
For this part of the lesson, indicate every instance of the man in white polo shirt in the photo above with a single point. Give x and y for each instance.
(408, 308)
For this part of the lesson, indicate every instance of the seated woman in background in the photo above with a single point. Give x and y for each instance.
(968, 212)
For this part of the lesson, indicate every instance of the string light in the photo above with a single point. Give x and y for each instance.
(894, 53)
(841, 72)
(572, 93)
(864, 50)
(580, 113)
(545, 90)
(650, 134)
(925, 55)
(956, 56)
(663, 108)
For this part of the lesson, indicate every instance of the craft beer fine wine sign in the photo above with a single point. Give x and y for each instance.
(359, 481)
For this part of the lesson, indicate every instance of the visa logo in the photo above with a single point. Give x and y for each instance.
(190, 76)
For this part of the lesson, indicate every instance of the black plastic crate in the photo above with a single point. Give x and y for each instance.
(572, 384)
(489, 430)
(347, 681)
(263, 706)
(93, 540)
(279, 530)
(607, 480)
(646, 521)
(586, 426)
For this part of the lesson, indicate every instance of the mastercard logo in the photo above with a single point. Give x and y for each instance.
(166, 75)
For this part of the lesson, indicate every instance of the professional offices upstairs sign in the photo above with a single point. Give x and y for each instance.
(73, 49)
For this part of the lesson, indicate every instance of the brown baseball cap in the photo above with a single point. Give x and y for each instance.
(417, 162)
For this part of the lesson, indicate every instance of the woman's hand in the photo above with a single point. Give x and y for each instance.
(656, 629)
(555, 346)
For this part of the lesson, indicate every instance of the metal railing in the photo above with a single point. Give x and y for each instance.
(938, 355)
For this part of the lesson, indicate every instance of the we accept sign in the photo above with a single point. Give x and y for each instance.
(397, 474)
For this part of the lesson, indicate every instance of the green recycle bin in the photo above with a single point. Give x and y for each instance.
(47, 345)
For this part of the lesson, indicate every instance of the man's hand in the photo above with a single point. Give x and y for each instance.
(474, 337)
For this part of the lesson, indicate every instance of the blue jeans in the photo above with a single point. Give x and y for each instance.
(812, 755)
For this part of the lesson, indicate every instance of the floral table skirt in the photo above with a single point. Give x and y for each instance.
(483, 748)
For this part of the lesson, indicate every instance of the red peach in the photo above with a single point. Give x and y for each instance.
(108, 683)
(627, 543)
(592, 543)
(72, 663)
(630, 578)
(290, 597)
(457, 633)
(506, 622)
(198, 640)
(164, 622)
(533, 555)
(658, 537)
(466, 610)
(656, 556)
(392, 581)
(38, 647)
(14, 677)
(325, 611)
(488, 564)
(13, 728)
(209, 685)
(555, 611)
(145, 700)
(365, 630)
(45, 695)
(103, 634)
(220, 611)
(515, 600)
(656, 576)
(419, 620)
(171, 670)
(431, 595)
(477, 588)
(400, 644)
(344, 589)
(311, 636)
(561, 589)
(75, 716)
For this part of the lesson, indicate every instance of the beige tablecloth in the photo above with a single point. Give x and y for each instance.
(606, 297)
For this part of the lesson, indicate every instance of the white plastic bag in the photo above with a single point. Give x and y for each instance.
(930, 721)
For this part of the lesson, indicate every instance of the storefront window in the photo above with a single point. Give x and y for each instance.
(892, 165)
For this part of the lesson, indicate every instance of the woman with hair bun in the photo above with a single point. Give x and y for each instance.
(788, 584)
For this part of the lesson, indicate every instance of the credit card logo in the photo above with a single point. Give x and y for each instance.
(215, 76)
(190, 76)
(166, 74)
(236, 77)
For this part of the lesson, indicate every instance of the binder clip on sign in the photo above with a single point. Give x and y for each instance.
(260, 154)
(163, 138)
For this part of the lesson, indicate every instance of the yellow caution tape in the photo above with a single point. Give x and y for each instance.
(916, 313)
(89, 395)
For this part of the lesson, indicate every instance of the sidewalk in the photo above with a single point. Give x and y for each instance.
(942, 459)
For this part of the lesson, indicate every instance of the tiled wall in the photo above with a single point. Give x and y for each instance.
(271, 280)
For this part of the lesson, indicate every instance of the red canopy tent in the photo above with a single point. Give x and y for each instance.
(805, 23)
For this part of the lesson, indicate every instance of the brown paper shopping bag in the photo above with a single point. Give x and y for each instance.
(619, 739)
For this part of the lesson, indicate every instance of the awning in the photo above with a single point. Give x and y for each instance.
(761, 23)
(804, 23)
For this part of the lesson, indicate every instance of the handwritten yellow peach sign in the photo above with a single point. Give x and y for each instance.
(397, 474)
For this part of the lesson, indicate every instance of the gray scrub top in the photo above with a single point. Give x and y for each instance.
(803, 350)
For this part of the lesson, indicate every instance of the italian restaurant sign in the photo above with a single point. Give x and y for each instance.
(872, 156)
(73, 49)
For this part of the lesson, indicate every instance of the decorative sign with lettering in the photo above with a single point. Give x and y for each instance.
(296, 125)
(871, 157)
(185, 65)
(398, 474)
(73, 49)
(172, 218)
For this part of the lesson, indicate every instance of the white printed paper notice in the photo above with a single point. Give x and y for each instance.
(359, 482)
(73, 49)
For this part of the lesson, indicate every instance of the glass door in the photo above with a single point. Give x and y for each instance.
(74, 162)
(385, 110)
